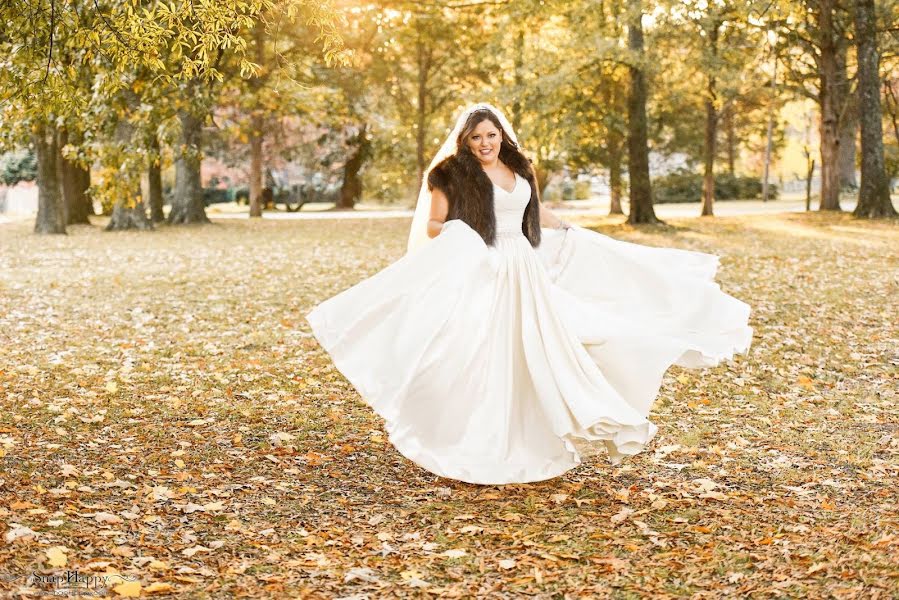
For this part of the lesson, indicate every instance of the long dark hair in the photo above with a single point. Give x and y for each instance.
(508, 149)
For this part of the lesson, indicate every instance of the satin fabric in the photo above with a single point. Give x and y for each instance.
(486, 362)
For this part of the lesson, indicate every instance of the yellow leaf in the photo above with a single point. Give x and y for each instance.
(56, 556)
(158, 587)
(129, 589)
(234, 525)
(112, 387)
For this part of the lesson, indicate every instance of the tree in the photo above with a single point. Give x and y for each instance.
(641, 210)
(874, 194)
(182, 47)
(812, 37)
(51, 216)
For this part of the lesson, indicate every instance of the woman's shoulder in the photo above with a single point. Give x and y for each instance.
(440, 174)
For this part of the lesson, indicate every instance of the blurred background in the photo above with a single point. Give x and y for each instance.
(151, 112)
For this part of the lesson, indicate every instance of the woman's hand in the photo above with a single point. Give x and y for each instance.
(549, 220)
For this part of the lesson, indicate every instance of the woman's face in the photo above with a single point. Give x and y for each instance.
(484, 142)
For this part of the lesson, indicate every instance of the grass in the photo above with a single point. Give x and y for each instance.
(169, 379)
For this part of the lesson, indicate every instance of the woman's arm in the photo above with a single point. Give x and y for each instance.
(550, 220)
(439, 211)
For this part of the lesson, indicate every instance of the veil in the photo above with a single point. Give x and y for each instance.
(418, 232)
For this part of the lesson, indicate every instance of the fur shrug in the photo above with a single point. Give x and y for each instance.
(470, 193)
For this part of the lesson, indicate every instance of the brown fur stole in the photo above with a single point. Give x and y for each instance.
(470, 193)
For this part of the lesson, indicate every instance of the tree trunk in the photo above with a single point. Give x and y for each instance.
(66, 183)
(769, 134)
(51, 216)
(830, 142)
(708, 178)
(351, 190)
(82, 206)
(711, 126)
(423, 58)
(515, 121)
(768, 148)
(616, 156)
(129, 217)
(256, 165)
(809, 173)
(641, 210)
(731, 140)
(128, 212)
(874, 193)
(154, 181)
(187, 204)
(257, 123)
(846, 107)
(74, 182)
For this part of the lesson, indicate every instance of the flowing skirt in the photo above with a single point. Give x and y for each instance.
(486, 362)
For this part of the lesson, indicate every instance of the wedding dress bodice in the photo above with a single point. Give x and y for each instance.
(509, 206)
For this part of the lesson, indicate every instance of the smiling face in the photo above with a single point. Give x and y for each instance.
(484, 142)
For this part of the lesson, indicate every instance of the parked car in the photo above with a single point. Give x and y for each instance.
(293, 196)
(217, 195)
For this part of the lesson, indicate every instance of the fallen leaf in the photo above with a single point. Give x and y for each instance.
(56, 556)
(128, 589)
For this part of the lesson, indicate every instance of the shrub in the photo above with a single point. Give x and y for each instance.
(685, 186)
(17, 166)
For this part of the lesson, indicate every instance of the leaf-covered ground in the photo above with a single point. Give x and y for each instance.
(169, 427)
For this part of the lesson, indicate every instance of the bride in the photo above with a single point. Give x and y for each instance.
(504, 333)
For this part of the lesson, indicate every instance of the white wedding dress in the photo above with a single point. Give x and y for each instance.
(486, 362)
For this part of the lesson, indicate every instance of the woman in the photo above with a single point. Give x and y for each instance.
(493, 344)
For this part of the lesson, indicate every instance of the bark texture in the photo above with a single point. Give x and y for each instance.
(74, 181)
(128, 212)
(154, 182)
(616, 156)
(51, 217)
(874, 193)
(257, 123)
(187, 203)
(641, 210)
(829, 95)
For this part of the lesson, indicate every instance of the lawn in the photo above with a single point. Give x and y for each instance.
(168, 426)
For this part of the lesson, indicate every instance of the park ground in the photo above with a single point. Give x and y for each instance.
(167, 422)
